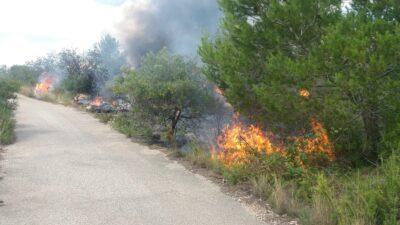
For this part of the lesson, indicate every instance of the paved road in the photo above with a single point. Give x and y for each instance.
(67, 168)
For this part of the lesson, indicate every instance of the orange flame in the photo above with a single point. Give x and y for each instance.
(97, 101)
(304, 93)
(45, 85)
(239, 143)
(320, 143)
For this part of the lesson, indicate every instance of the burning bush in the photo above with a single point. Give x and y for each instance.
(239, 145)
(46, 82)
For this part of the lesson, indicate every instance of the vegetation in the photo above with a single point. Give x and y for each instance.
(7, 105)
(318, 87)
(167, 91)
(89, 72)
(286, 66)
(346, 62)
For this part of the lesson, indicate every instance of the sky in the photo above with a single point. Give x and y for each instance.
(33, 28)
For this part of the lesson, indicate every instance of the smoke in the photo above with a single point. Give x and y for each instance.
(150, 25)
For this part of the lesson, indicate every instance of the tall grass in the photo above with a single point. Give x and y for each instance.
(367, 196)
(132, 127)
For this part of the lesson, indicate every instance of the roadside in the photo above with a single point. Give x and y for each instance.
(67, 168)
(242, 193)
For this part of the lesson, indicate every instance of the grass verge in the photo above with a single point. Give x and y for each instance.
(7, 105)
(334, 196)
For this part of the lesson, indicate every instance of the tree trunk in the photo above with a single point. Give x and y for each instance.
(372, 133)
(175, 119)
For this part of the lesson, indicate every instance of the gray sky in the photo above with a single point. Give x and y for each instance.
(32, 28)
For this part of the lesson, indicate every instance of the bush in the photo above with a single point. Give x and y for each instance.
(7, 125)
(346, 62)
(128, 125)
(7, 105)
(167, 90)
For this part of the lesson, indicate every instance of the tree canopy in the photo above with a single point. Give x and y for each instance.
(268, 52)
(167, 89)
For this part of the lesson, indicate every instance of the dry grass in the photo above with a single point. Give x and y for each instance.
(27, 91)
(56, 97)
(262, 186)
(200, 158)
(104, 117)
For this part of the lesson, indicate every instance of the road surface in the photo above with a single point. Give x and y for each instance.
(67, 168)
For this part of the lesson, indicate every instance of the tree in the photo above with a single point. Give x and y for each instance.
(84, 72)
(167, 89)
(255, 36)
(46, 64)
(110, 55)
(270, 52)
(359, 60)
(77, 78)
(24, 74)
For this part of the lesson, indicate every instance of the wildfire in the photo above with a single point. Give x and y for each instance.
(45, 85)
(97, 101)
(304, 93)
(238, 143)
(219, 91)
(320, 143)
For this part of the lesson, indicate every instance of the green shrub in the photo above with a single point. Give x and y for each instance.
(167, 89)
(7, 123)
(128, 125)
(104, 117)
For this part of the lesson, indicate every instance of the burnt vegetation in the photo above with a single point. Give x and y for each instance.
(296, 100)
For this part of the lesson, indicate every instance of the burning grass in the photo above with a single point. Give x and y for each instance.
(239, 144)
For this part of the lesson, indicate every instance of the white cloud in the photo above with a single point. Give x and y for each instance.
(29, 29)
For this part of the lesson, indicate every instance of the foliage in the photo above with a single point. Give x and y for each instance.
(364, 76)
(110, 56)
(23, 74)
(166, 90)
(82, 71)
(7, 123)
(347, 61)
(86, 72)
(132, 127)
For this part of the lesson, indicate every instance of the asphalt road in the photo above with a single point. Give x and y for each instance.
(68, 168)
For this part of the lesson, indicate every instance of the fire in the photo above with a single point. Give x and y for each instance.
(304, 93)
(45, 85)
(320, 143)
(219, 91)
(97, 101)
(238, 144)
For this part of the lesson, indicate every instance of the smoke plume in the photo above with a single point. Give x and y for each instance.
(176, 24)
